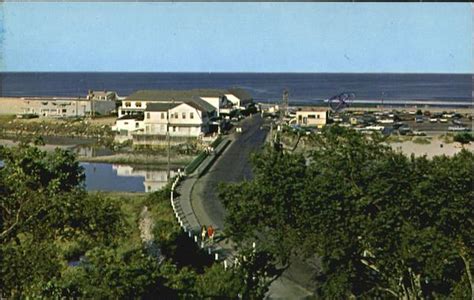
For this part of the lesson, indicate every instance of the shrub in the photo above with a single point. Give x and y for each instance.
(195, 163)
(464, 138)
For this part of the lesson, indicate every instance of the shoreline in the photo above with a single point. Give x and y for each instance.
(377, 107)
(137, 159)
(141, 159)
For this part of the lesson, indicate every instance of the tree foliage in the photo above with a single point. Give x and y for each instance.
(58, 241)
(43, 208)
(464, 138)
(384, 225)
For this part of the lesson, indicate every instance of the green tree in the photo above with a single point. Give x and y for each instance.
(383, 224)
(463, 138)
(43, 207)
(107, 274)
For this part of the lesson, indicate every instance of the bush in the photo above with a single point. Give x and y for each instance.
(464, 138)
(216, 142)
(195, 163)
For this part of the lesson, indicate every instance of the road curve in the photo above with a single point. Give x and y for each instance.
(232, 166)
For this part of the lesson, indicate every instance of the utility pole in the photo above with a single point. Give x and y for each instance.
(168, 140)
(383, 94)
(284, 105)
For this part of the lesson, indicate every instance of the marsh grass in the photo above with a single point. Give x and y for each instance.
(422, 140)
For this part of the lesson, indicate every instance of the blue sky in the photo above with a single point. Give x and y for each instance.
(237, 37)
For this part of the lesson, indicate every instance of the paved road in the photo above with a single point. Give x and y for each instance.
(232, 166)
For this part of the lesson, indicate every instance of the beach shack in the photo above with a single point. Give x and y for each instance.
(311, 117)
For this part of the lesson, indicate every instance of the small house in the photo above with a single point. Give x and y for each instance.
(311, 117)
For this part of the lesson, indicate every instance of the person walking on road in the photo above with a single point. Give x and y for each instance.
(210, 233)
(203, 232)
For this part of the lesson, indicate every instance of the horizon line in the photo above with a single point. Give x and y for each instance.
(244, 72)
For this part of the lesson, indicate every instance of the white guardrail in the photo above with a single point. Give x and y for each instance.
(181, 218)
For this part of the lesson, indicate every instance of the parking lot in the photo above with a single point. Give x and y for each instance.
(406, 123)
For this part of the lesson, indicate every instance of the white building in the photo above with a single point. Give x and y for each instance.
(311, 117)
(55, 107)
(128, 124)
(102, 95)
(223, 101)
(180, 119)
(240, 98)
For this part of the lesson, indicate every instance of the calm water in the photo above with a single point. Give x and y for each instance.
(123, 178)
(303, 87)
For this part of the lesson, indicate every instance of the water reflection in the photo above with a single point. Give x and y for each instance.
(124, 178)
(90, 151)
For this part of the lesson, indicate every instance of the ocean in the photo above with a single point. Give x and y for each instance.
(303, 88)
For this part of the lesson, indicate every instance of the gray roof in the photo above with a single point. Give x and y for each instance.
(164, 106)
(132, 117)
(242, 94)
(200, 104)
(177, 95)
(196, 102)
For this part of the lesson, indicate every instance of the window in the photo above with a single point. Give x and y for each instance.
(128, 104)
(64, 110)
(174, 128)
(317, 116)
(126, 123)
(138, 104)
(147, 115)
(183, 115)
(191, 115)
(137, 125)
(311, 116)
(175, 115)
(162, 115)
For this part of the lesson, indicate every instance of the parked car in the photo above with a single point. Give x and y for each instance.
(433, 120)
(443, 120)
(419, 133)
(404, 130)
(397, 125)
(419, 119)
(457, 128)
(457, 122)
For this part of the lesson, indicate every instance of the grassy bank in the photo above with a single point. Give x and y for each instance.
(139, 159)
(74, 128)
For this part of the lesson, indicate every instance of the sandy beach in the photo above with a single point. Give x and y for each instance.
(436, 147)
